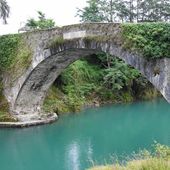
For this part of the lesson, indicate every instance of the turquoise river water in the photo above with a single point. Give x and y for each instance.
(94, 135)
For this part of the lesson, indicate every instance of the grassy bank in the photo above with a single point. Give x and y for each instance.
(158, 159)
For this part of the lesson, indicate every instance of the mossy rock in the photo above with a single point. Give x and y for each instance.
(6, 117)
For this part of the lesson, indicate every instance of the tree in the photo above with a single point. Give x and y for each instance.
(91, 13)
(125, 11)
(4, 10)
(41, 23)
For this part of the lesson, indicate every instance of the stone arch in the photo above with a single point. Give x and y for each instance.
(33, 91)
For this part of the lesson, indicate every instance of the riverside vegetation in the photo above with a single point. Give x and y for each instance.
(158, 159)
(96, 80)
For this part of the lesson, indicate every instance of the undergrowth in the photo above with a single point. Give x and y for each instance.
(87, 82)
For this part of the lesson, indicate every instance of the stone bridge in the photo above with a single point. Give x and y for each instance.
(55, 49)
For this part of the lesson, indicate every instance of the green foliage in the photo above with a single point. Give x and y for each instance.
(15, 55)
(41, 23)
(161, 151)
(150, 39)
(91, 13)
(77, 82)
(81, 71)
(119, 75)
(125, 11)
(8, 49)
(145, 160)
(56, 101)
(90, 81)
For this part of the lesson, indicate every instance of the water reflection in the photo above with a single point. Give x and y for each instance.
(73, 156)
(89, 152)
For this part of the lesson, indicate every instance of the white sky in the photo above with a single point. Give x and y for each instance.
(62, 11)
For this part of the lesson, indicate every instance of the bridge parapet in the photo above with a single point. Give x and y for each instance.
(90, 29)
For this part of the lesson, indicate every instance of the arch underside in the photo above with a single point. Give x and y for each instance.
(33, 91)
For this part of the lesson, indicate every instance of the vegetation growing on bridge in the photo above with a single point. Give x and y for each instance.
(4, 107)
(56, 41)
(15, 55)
(152, 40)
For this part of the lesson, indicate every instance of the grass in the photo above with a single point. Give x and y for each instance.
(56, 41)
(159, 159)
(147, 164)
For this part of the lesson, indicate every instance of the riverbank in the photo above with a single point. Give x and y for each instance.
(159, 159)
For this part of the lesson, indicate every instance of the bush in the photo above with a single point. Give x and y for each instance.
(152, 40)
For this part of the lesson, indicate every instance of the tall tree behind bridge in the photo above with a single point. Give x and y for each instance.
(92, 12)
(4, 10)
(153, 10)
(125, 11)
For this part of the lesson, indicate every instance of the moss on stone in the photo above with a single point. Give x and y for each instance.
(4, 107)
(15, 55)
(97, 38)
(56, 41)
